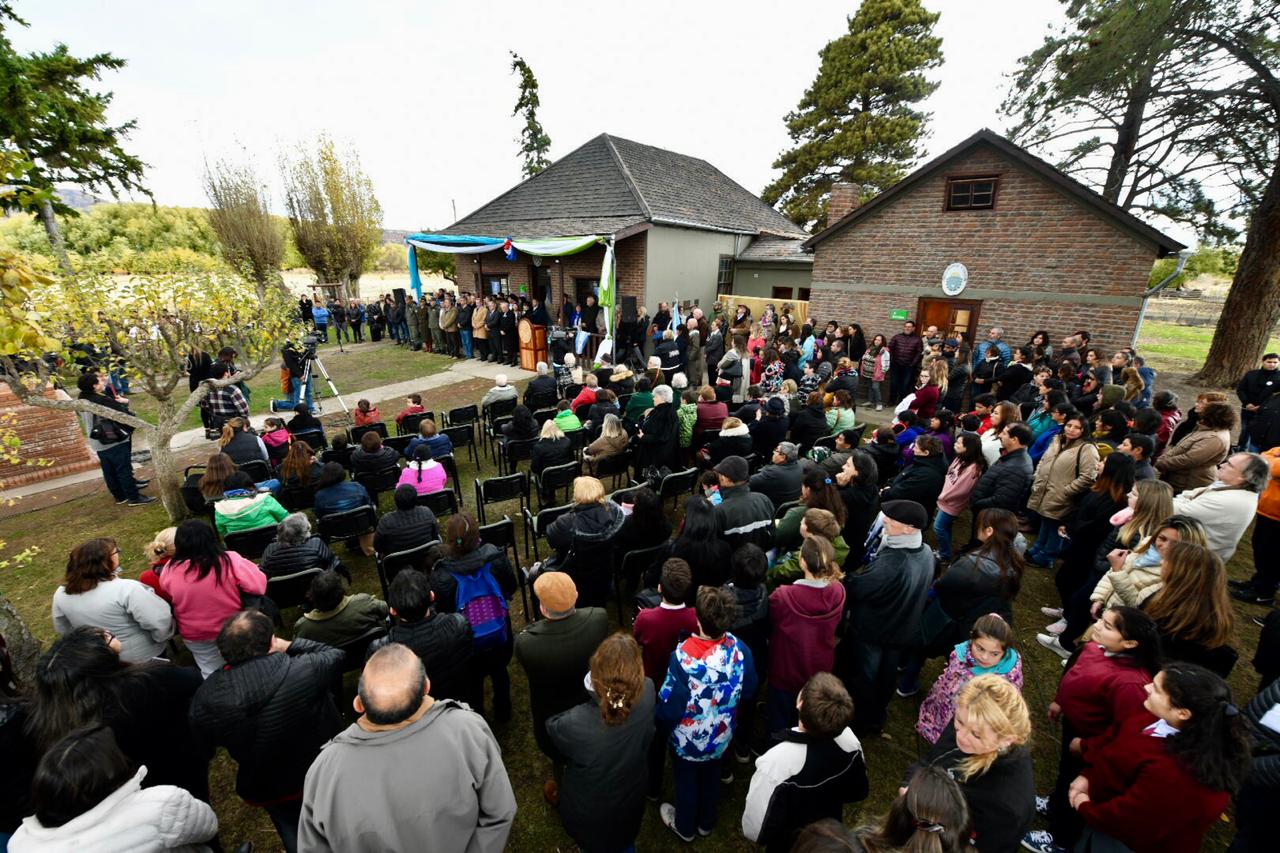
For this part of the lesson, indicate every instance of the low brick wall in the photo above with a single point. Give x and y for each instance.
(52, 436)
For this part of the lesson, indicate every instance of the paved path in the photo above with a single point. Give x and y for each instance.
(461, 371)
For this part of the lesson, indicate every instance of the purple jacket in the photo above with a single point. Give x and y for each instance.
(906, 349)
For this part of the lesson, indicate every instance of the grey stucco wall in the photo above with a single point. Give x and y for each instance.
(683, 261)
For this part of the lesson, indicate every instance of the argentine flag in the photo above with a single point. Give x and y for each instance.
(676, 320)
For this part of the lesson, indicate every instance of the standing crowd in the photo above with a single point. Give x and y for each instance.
(779, 619)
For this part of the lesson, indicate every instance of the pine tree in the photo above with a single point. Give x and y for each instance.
(534, 141)
(856, 121)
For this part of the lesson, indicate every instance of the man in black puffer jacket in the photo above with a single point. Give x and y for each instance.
(297, 549)
(922, 480)
(1007, 483)
(444, 641)
(271, 707)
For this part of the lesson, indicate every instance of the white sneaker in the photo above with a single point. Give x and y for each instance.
(1052, 612)
(667, 812)
(1050, 642)
(879, 407)
(1057, 627)
(1041, 841)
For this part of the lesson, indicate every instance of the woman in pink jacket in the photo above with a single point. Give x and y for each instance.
(206, 583)
(967, 465)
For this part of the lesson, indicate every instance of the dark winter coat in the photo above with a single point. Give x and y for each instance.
(583, 542)
(1005, 484)
(887, 598)
(402, 529)
(556, 654)
(445, 586)
(861, 505)
(272, 713)
(779, 483)
(744, 515)
(738, 444)
(606, 772)
(921, 481)
(766, 434)
(659, 439)
(549, 451)
(1001, 801)
(887, 457)
(445, 643)
(280, 559)
(808, 425)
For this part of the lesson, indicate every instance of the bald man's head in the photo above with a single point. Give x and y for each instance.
(392, 685)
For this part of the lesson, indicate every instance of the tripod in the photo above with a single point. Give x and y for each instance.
(306, 380)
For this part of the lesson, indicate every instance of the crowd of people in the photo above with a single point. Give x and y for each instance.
(815, 577)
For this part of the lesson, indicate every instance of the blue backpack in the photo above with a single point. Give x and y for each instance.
(480, 600)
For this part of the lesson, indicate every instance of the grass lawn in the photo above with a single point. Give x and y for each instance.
(1180, 349)
(352, 372)
(537, 827)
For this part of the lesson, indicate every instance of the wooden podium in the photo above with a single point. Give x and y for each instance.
(533, 344)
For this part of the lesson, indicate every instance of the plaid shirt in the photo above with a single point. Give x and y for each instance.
(226, 403)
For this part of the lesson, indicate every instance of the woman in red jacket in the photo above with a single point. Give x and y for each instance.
(934, 379)
(1159, 780)
(1105, 682)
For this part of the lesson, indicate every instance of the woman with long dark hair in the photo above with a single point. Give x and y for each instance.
(522, 425)
(1041, 349)
(1193, 610)
(1162, 778)
(646, 526)
(698, 543)
(81, 680)
(93, 594)
(859, 486)
(206, 583)
(968, 464)
(112, 441)
(466, 556)
(817, 491)
(1086, 528)
(1065, 472)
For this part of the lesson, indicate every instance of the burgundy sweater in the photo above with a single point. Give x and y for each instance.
(1099, 689)
(1140, 794)
(802, 642)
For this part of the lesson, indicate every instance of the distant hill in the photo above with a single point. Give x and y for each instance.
(393, 235)
(78, 199)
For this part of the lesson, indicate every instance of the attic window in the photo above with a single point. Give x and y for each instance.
(971, 193)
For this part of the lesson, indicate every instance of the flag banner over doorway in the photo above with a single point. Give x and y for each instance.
(466, 244)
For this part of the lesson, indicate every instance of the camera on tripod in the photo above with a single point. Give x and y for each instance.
(308, 349)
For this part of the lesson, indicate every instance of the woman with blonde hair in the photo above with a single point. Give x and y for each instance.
(984, 750)
(1192, 609)
(613, 441)
(553, 447)
(583, 536)
(159, 551)
(605, 741)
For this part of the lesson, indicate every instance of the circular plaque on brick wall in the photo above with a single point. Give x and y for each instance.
(954, 279)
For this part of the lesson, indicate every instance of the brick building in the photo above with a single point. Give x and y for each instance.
(680, 226)
(1041, 251)
(52, 437)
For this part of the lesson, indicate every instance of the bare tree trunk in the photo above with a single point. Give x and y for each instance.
(1252, 308)
(168, 475)
(50, 222)
(24, 649)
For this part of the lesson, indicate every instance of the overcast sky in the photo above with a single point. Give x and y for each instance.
(423, 91)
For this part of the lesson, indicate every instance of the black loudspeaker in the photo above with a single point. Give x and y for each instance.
(398, 293)
(629, 309)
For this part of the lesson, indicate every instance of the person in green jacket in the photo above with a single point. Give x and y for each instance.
(687, 415)
(820, 522)
(641, 401)
(337, 618)
(565, 418)
(243, 507)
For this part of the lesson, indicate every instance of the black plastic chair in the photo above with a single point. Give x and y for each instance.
(783, 510)
(376, 482)
(451, 471)
(623, 399)
(342, 457)
(410, 423)
(861, 430)
(291, 590)
(297, 498)
(499, 489)
(462, 436)
(357, 648)
(399, 443)
(612, 467)
(250, 543)
(515, 451)
(625, 496)
(192, 497)
(493, 411)
(390, 565)
(677, 484)
(578, 441)
(753, 463)
(541, 416)
(827, 441)
(535, 526)
(554, 478)
(347, 524)
(444, 502)
(313, 437)
(257, 469)
(632, 567)
(493, 434)
(540, 401)
(355, 432)
(572, 391)
(502, 534)
(463, 415)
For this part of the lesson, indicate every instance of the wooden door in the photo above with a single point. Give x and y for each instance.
(951, 316)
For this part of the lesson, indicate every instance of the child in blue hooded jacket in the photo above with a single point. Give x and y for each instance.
(709, 674)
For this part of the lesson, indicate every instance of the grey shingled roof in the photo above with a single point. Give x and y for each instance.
(775, 249)
(609, 184)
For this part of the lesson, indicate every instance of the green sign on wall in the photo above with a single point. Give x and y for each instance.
(898, 314)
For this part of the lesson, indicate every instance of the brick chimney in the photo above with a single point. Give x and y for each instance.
(844, 198)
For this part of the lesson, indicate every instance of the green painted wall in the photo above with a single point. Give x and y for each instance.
(758, 279)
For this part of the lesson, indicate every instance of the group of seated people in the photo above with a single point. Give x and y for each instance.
(807, 577)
